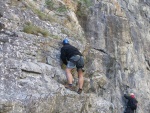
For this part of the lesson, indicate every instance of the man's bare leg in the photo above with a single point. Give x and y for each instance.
(69, 75)
(81, 79)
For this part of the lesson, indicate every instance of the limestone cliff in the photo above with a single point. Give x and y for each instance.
(113, 35)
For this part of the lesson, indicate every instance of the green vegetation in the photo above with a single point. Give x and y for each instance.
(65, 31)
(54, 36)
(51, 5)
(40, 14)
(62, 9)
(32, 29)
(83, 6)
(44, 16)
(86, 3)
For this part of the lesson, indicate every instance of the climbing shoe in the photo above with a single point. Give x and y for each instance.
(70, 87)
(79, 91)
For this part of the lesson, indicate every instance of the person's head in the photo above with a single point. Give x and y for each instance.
(65, 41)
(132, 95)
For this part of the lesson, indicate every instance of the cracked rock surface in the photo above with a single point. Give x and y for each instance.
(113, 35)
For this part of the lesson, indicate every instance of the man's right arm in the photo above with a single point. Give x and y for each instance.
(63, 56)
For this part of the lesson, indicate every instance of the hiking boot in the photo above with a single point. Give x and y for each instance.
(70, 87)
(79, 91)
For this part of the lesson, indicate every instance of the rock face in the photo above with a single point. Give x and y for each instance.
(113, 35)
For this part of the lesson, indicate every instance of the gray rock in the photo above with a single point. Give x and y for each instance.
(1, 15)
(2, 26)
(113, 37)
(31, 67)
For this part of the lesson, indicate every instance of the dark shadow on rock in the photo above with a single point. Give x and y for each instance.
(2, 26)
(1, 14)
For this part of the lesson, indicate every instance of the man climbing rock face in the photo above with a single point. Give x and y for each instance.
(131, 104)
(72, 58)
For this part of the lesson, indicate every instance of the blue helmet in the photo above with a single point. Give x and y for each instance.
(65, 41)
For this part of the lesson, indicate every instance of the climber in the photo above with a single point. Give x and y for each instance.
(72, 58)
(131, 104)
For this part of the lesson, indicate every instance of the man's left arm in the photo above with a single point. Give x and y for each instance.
(126, 96)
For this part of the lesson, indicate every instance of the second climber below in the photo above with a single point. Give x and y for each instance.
(72, 58)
